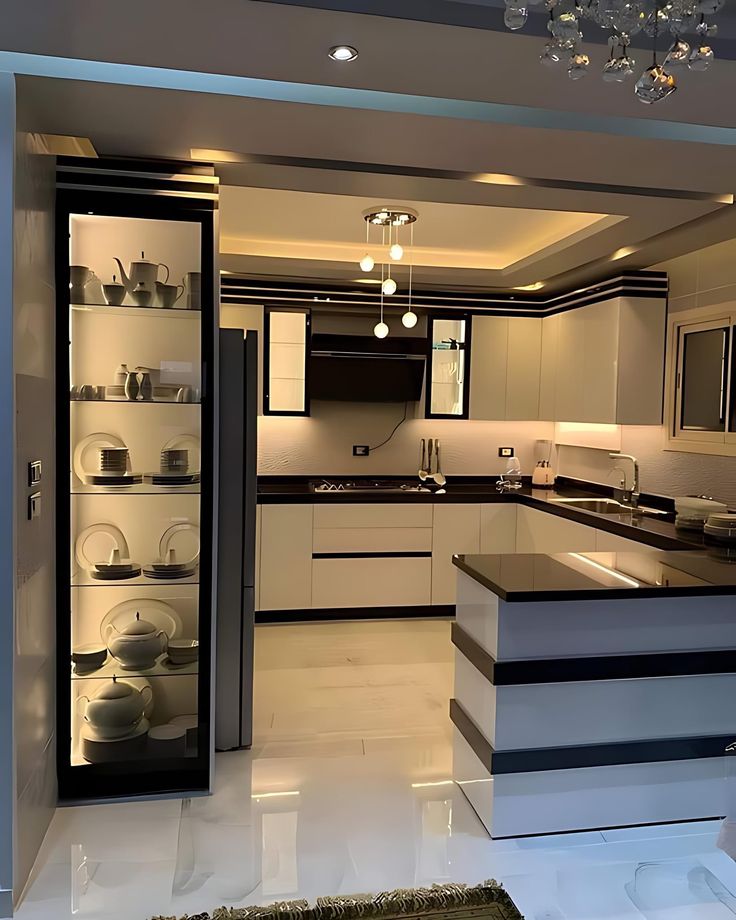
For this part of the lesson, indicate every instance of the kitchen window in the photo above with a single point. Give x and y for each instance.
(702, 404)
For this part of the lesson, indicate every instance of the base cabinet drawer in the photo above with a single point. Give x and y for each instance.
(371, 582)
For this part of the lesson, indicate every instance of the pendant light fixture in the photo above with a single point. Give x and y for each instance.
(395, 220)
(367, 263)
(409, 319)
(381, 330)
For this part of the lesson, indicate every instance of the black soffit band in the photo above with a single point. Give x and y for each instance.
(172, 178)
(244, 290)
(592, 667)
(576, 757)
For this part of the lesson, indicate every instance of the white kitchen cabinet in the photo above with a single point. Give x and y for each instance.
(388, 581)
(505, 368)
(286, 557)
(456, 530)
(498, 528)
(372, 515)
(541, 532)
(607, 362)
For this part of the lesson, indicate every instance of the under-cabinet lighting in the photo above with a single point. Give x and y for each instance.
(604, 568)
(274, 795)
(441, 782)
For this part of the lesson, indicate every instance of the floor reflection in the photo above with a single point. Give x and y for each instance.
(365, 808)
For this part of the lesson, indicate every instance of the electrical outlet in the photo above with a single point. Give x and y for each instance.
(361, 450)
(505, 451)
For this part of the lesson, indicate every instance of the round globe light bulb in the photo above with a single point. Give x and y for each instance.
(380, 330)
(409, 319)
(396, 252)
(367, 263)
(389, 287)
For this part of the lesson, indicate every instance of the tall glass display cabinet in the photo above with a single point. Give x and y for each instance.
(136, 293)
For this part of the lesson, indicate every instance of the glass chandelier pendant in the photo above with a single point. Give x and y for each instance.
(623, 19)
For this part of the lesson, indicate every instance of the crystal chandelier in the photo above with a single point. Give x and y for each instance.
(391, 221)
(666, 22)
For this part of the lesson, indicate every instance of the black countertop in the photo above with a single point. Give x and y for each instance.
(596, 576)
(659, 532)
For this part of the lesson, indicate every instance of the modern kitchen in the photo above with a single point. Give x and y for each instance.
(374, 507)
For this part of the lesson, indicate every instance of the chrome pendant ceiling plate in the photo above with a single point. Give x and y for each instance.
(664, 22)
(390, 217)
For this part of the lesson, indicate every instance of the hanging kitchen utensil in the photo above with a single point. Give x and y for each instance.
(423, 468)
(439, 476)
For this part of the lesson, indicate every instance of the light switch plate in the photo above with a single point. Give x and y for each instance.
(34, 506)
(34, 472)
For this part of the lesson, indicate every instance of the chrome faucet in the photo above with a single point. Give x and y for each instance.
(628, 497)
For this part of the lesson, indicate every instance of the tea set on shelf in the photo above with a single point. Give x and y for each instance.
(118, 565)
(141, 384)
(116, 725)
(114, 466)
(140, 283)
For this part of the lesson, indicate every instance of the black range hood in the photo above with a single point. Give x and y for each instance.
(363, 368)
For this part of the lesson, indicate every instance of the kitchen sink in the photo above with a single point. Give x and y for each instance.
(606, 506)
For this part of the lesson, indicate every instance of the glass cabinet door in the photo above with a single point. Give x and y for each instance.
(287, 345)
(447, 389)
(139, 463)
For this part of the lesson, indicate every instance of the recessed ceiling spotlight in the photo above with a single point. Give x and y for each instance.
(343, 53)
(535, 286)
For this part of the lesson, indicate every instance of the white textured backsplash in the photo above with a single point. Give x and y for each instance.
(322, 445)
(663, 472)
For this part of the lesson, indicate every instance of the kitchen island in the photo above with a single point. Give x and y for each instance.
(593, 690)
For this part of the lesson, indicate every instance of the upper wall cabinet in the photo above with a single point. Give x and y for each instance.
(447, 369)
(286, 346)
(604, 363)
(505, 368)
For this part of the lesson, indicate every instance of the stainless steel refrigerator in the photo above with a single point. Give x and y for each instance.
(235, 616)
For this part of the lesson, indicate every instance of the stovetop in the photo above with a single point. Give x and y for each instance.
(366, 485)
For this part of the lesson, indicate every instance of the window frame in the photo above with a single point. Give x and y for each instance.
(721, 443)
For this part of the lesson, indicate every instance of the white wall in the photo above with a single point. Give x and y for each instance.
(7, 494)
(322, 445)
(34, 664)
(699, 279)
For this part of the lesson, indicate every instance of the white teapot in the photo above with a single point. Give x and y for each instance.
(142, 275)
(138, 645)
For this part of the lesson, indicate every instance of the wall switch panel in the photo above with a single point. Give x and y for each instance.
(361, 450)
(34, 506)
(34, 472)
(505, 451)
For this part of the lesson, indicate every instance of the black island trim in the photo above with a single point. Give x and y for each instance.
(316, 614)
(591, 667)
(575, 757)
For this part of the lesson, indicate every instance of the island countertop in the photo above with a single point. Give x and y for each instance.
(523, 578)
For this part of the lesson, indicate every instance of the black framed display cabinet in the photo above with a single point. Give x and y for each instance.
(448, 366)
(136, 292)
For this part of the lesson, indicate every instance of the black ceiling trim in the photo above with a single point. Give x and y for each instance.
(247, 290)
(173, 178)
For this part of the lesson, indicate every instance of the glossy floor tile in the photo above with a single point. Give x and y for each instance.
(348, 789)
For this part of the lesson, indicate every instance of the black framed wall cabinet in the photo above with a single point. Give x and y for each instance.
(447, 388)
(286, 347)
(136, 406)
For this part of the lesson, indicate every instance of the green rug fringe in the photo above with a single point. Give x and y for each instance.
(453, 901)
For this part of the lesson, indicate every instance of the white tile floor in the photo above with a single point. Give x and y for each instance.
(347, 789)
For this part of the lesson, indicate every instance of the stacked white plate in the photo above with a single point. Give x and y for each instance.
(721, 527)
(692, 513)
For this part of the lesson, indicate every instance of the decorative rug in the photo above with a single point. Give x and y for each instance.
(488, 901)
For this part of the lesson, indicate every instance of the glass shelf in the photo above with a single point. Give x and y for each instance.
(137, 402)
(86, 581)
(143, 488)
(112, 668)
(104, 309)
